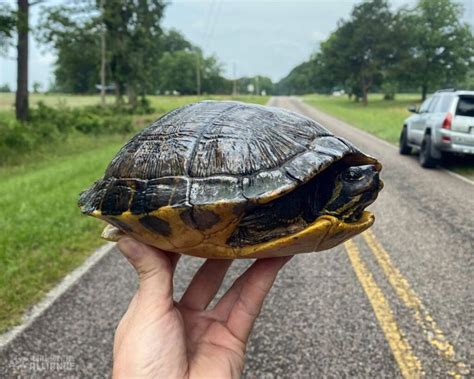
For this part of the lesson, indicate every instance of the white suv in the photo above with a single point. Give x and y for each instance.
(444, 123)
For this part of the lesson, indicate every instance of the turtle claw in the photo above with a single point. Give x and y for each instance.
(111, 233)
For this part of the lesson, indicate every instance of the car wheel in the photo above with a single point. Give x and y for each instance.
(426, 158)
(404, 149)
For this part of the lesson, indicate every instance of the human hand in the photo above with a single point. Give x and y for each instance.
(161, 338)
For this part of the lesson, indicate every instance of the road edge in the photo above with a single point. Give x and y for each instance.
(386, 143)
(55, 293)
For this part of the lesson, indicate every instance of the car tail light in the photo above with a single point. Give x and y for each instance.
(448, 120)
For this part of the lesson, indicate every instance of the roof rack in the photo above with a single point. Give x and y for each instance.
(447, 90)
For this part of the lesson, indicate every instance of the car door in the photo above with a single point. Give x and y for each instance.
(437, 111)
(417, 126)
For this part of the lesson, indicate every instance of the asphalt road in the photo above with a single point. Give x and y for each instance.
(395, 302)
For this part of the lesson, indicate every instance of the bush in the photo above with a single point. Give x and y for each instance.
(48, 125)
(389, 89)
(143, 107)
(14, 138)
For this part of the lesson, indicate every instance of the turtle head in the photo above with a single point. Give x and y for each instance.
(354, 188)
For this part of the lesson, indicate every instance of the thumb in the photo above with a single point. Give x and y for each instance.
(153, 266)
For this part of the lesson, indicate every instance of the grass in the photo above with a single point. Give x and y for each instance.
(7, 100)
(160, 103)
(44, 236)
(382, 118)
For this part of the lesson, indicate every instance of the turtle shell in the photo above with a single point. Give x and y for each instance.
(184, 182)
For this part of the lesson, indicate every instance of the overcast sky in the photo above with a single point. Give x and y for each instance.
(265, 37)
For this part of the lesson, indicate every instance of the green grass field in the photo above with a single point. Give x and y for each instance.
(383, 119)
(44, 236)
(160, 103)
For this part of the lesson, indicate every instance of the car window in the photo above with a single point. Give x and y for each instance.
(465, 106)
(444, 104)
(433, 104)
(424, 107)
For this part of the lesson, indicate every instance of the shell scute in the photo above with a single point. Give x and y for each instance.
(212, 190)
(306, 165)
(331, 146)
(266, 185)
(166, 191)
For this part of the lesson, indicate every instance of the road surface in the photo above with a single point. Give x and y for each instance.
(394, 302)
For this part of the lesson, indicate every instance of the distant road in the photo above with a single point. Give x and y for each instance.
(394, 302)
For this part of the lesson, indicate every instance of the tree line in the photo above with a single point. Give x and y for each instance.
(141, 58)
(121, 45)
(114, 45)
(419, 49)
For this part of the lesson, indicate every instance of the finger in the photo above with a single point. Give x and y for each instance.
(224, 305)
(256, 284)
(174, 259)
(205, 284)
(153, 266)
(123, 324)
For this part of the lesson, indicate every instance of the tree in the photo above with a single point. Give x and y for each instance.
(173, 40)
(74, 34)
(133, 37)
(211, 78)
(300, 80)
(21, 100)
(133, 40)
(7, 27)
(5, 88)
(362, 48)
(468, 83)
(259, 83)
(19, 22)
(440, 48)
(178, 73)
(36, 87)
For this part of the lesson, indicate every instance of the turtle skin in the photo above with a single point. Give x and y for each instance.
(186, 182)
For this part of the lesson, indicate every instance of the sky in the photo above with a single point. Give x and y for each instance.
(249, 37)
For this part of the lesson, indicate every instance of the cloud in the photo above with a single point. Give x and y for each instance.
(46, 59)
(318, 36)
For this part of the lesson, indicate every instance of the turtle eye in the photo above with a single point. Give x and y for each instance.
(352, 174)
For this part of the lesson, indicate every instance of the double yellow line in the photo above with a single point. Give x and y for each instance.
(409, 364)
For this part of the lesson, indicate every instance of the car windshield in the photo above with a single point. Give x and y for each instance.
(465, 106)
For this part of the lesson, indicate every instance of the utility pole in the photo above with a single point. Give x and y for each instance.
(234, 84)
(257, 88)
(198, 74)
(102, 55)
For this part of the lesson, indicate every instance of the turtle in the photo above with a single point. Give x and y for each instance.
(226, 179)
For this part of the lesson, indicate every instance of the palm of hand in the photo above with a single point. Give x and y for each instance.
(160, 338)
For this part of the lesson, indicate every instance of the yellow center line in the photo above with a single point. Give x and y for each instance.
(408, 363)
(423, 318)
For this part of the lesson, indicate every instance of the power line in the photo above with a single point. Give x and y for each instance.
(210, 13)
(213, 24)
(211, 21)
